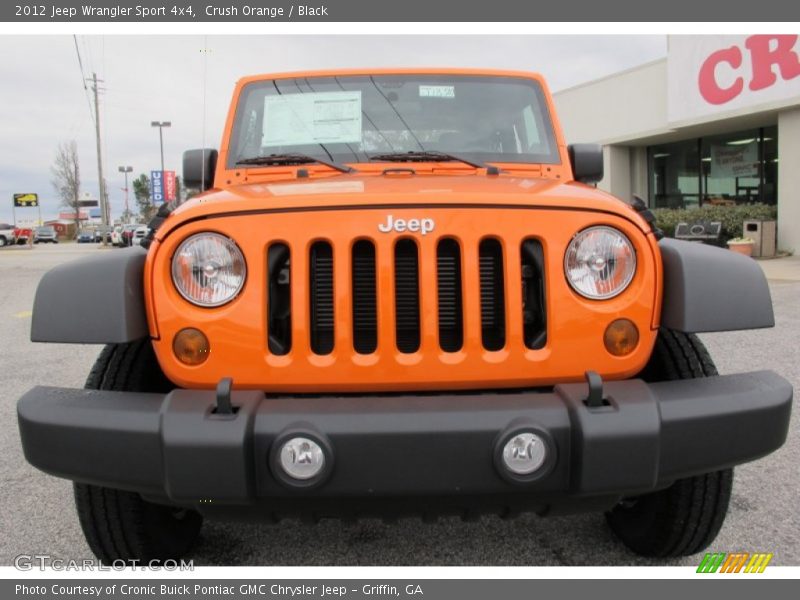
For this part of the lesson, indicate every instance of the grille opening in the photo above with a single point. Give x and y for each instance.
(279, 296)
(320, 288)
(448, 273)
(406, 296)
(365, 309)
(493, 312)
(534, 315)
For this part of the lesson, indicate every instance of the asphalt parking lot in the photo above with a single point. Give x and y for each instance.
(38, 515)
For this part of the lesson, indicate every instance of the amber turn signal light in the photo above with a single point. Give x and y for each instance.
(621, 337)
(191, 346)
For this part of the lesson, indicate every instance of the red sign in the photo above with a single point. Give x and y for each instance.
(765, 53)
(70, 215)
(169, 186)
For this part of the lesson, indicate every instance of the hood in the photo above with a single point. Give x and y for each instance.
(401, 189)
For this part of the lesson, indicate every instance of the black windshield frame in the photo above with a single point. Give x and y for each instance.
(248, 110)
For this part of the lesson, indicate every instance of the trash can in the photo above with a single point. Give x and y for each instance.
(706, 232)
(763, 233)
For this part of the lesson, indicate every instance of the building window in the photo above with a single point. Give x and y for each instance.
(675, 174)
(730, 169)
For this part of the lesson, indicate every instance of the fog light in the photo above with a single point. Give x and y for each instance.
(524, 453)
(621, 337)
(302, 458)
(191, 346)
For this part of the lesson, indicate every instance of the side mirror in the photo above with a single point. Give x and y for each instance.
(198, 168)
(587, 162)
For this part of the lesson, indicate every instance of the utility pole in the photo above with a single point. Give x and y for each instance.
(103, 207)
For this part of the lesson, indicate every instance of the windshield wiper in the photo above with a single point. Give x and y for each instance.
(292, 159)
(425, 156)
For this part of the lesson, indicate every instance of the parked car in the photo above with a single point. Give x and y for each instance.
(139, 234)
(45, 235)
(103, 231)
(85, 237)
(116, 236)
(316, 336)
(23, 234)
(7, 236)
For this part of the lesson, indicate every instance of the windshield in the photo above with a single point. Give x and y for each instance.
(349, 119)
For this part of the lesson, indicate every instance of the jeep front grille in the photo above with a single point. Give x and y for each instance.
(406, 296)
(320, 285)
(365, 298)
(448, 275)
(369, 273)
(493, 316)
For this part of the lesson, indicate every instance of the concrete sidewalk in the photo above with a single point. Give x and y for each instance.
(781, 269)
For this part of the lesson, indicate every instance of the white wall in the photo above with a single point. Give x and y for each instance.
(621, 107)
(639, 172)
(616, 171)
(789, 180)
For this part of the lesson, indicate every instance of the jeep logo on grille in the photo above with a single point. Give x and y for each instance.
(422, 226)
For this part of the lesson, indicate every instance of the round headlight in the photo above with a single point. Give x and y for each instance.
(600, 262)
(208, 269)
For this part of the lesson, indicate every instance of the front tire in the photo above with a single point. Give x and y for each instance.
(119, 525)
(686, 517)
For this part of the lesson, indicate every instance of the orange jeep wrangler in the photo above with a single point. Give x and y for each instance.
(397, 294)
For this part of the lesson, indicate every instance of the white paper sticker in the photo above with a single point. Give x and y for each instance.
(317, 187)
(314, 118)
(437, 91)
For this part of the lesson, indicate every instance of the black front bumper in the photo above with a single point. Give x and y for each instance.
(175, 447)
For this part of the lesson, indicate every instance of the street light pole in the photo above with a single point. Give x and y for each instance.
(161, 125)
(126, 170)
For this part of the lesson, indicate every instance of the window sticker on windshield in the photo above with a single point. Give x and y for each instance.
(437, 91)
(314, 118)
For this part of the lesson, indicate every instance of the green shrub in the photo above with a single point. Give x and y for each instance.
(732, 217)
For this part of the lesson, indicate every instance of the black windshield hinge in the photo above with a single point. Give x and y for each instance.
(163, 212)
(640, 206)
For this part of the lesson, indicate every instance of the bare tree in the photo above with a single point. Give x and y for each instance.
(66, 179)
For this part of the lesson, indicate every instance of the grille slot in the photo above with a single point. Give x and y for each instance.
(279, 314)
(493, 314)
(321, 297)
(534, 314)
(406, 296)
(448, 273)
(365, 309)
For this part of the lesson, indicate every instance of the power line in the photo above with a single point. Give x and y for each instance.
(83, 78)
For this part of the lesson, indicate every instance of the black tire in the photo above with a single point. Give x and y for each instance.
(119, 525)
(686, 517)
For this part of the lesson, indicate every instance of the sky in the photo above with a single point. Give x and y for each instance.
(43, 101)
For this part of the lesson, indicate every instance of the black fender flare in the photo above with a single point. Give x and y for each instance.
(712, 289)
(94, 300)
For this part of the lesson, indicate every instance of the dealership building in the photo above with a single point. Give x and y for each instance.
(716, 122)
